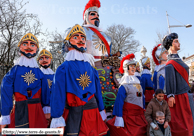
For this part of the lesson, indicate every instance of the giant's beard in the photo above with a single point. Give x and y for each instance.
(137, 71)
(45, 66)
(96, 22)
(145, 67)
(81, 49)
(28, 55)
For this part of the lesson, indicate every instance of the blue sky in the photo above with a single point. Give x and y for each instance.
(146, 17)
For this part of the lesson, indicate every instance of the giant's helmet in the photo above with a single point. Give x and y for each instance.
(144, 60)
(92, 5)
(69, 33)
(44, 52)
(157, 53)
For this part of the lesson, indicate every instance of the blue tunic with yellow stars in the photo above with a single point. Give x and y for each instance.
(49, 75)
(147, 84)
(26, 82)
(76, 84)
(21, 79)
(78, 78)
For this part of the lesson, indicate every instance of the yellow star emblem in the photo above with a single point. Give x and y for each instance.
(49, 83)
(29, 77)
(84, 80)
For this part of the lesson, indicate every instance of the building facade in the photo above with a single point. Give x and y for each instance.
(190, 62)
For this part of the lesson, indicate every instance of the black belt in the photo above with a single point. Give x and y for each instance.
(75, 117)
(21, 112)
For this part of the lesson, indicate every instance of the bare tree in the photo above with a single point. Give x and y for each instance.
(160, 37)
(14, 23)
(56, 49)
(122, 39)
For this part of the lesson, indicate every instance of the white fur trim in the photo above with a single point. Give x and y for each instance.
(57, 122)
(47, 71)
(146, 71)
(160, 67)
(128, 79)
(119, 122)
(170, 95)
(137, 74)
(77, 55)
(46, 109)
(24, 61)
(103, 115)
(91, 58)
(156, 67)
(5, 120)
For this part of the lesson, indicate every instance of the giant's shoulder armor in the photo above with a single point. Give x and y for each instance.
(94, 44)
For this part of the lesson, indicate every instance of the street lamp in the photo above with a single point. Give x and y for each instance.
(187, 26)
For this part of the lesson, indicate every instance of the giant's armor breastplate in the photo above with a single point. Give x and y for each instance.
(94, 44)
(132, 90)
(106, 66)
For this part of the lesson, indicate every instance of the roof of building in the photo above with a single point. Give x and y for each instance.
(189, 57)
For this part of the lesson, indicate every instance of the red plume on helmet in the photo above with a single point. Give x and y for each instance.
(92, 3)
(128, 57)
(154, 56)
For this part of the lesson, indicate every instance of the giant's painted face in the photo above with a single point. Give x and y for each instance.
(28, 48)
(93, 18)
(78, 41)
(175, 45)
(132, 69)
(148, 65)
(45, 61)
(138, 68)
(165, 55)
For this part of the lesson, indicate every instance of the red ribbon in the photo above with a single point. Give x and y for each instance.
(181, 70)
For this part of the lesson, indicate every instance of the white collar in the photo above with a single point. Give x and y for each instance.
(146, 71)
(129, 79)
(77, 55)
(156, 67)
(47, 71)
(137, 74)
(93, 26)
(160, 67)
(24, 61)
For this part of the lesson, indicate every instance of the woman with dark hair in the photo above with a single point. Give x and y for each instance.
(129, 117)
(177, 88)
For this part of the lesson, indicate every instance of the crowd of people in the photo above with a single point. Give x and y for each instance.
(71, 98)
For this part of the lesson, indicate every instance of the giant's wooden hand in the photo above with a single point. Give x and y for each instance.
(171, 101)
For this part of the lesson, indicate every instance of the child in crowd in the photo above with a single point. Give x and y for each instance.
(157, 127)
(157, 104)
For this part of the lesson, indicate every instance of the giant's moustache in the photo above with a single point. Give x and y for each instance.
(44, 62)
(80, 42)
(28, 49)
(96, 18)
